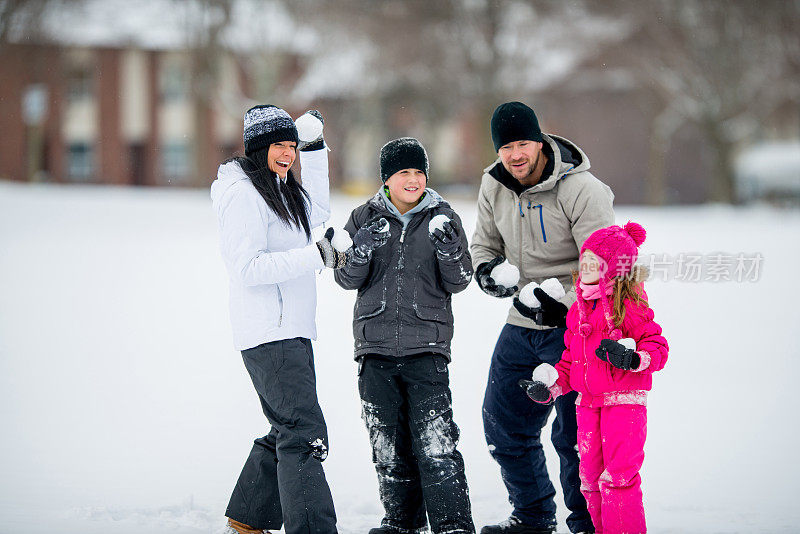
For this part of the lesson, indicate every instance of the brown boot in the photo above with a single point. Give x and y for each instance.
(234, 527)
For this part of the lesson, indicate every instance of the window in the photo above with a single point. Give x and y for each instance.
(80, 85)
(173, 82)
(80, 162)
(176, 161)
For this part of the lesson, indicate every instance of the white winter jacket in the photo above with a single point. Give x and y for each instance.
(273, 293)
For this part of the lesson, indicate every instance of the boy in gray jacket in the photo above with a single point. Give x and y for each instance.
(405, 274)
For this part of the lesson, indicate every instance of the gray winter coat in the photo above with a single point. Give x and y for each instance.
(404, 291)
(540, 229)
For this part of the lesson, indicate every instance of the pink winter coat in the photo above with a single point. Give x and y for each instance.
(598, 382)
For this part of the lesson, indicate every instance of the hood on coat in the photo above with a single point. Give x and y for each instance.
(567, 158)
(228, 174)
(378, 203)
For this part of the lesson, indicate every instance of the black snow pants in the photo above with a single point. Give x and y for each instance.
(407, 408)
(282, 481)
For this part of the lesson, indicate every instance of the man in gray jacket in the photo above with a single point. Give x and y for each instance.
(537, 204)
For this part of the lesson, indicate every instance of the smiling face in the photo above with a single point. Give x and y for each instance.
(591, 267)
(280, 157)
(520, 158)
(406, 188)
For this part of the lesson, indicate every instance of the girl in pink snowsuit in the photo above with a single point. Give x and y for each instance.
(612, 376)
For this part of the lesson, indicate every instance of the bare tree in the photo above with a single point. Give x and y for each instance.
(722, 65)
(208, 21)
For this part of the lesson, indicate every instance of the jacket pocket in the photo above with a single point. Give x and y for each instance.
(370, 303)
(367, 323)
(436, 325)
(433, 417)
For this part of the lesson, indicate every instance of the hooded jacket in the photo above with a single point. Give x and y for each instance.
(404, 292)
(540, 229)
(598, 382)
(270, 265)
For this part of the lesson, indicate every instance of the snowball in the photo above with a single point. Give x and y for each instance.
(437, 222)
(341, 240)
(527, 297)
(308, 127)
(385, 227)
(505, 274)
(628, 343)
(546, 374)
(553, 287)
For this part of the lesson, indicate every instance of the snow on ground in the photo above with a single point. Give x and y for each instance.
(125, 409)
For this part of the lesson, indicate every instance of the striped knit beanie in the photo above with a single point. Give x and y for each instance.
(267, 124)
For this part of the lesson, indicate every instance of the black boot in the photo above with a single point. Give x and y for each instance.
(512, 525)
(389, 530)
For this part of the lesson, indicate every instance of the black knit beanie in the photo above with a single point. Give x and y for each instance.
(264, 125)
(403, 153)
(514, 121)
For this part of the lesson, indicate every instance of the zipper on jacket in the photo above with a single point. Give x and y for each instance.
(400, 268)
(280, 304)
(541, 220)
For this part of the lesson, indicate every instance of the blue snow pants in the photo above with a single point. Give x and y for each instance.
(513, 424)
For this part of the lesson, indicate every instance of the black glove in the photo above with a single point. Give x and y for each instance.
(551, 312)
(537, 391)
(618, 355)
(486, 282)
(447, 241)
(369, 237)
(331, 257)
(307, 145)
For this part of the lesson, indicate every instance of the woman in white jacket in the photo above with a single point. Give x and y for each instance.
(265, 219)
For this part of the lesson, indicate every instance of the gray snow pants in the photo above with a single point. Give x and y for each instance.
(282, 481)
(407, 408)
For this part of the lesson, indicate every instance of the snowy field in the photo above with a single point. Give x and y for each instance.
(125, 409)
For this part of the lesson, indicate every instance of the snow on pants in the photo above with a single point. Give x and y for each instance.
(513, 424)
(282, 482)
(407, 408)
(611, 441)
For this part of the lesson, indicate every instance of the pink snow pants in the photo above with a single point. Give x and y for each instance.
(611, 444)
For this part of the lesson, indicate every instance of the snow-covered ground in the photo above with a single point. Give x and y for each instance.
(125, 409)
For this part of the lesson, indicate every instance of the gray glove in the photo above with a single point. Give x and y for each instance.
(332, 258)
(370, 237)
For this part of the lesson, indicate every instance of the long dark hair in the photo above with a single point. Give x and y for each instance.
(287, 199)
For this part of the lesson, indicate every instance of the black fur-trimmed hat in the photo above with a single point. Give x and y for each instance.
(514, 121)
(267, 124)
(403, 153)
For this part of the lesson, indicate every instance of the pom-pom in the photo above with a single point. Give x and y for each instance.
(615, 335)
(636, 232)
(585, 330)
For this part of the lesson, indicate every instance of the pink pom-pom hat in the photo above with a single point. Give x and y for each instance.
(618, 247)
